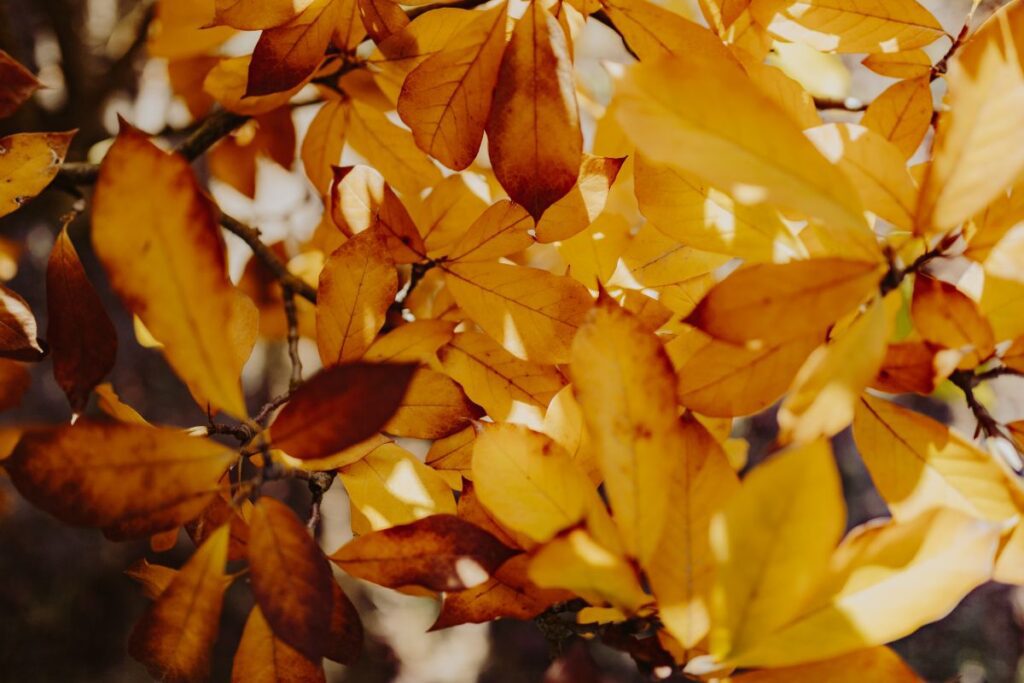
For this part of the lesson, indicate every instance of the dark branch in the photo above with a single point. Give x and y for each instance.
(291, 315)
(251, 236)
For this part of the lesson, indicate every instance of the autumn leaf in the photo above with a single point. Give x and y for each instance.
(339, 407)
(167, 263)
(261, 655)
(287, 54)
(357, 285)
(945, 316)
(902, 114)
(653, 31)
(877, 664)
(81, 335)
(321, 148)
(585, 201)
(252, 15)
(441, 552)
(447, 98)
(533, 133)
(902, 64)
(390, 149)
(175, 636)
(502, 229)
(290, 578)
(382, 18)
(433, 407)
(18, 335)
(28, 163)
(97, 474)
(18, 84)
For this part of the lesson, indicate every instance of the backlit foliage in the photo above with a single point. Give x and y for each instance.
(569, 297)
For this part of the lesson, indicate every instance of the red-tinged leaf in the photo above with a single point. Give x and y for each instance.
(263, 657)
(218, 513)
(18, 339)
(339, 407)
(175, 635)
(16, 84)
(533, 133)
(345, 635)
(286, 55)
(153, 578)
(99, 474)
(382, 18)
(82, 337)
(441, 552)
(290, 578)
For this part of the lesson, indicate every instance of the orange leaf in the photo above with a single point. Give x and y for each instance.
(441, 552)
(433, 407)
(262, 656)
(82, 338)
(97, 474)
(902, 114)
(533, 133)
(321, 148)
(339, 407)
(285, 56)
(254, 15)
(503, 229)
(28, 162)
(381, 18)
(290, 577)
(946, 316)
(176, 634)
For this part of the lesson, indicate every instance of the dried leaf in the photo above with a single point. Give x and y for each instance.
(18, 336)
(434, 406)
(263, 657)
(18, 85)
(28, 162)
(285, 56)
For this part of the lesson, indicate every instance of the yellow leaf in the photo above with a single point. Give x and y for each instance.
(227, 83)
(917, 463)
(822, 399)
(28, 162)
(494, 378)
(433, 407)
(390, 487)
(707, 118)
(908, 64)
(178, 29)
(564, 423)
(685, 209)
(902, 114)
(382, 18)
(849, 25)
(446, 99)
(533, 133)
(772, 549)
(502, 229)
(1002, 302)
(110, 403)
(528, 482)
(876, 167)
(175, 636)
(926, 566)
(786, 92)
(944, 315)
(391, 150)
(625, 384)
(443, 216)
(873, 664)
(532, 313)
(324, 140)
(979, 140)
(682, 568)
(652, 31)
(584, 203)
(720, 379)
(778, 302)
(166, 261)
(411, 343)
(593, 254)
(357, 286)
(577, 562)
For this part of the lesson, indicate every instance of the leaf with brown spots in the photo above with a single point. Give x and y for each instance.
(290, 578)
(339, 407)
(442, 553)
(176, 634)
(28, 162)
(99, 474)
(81, 335)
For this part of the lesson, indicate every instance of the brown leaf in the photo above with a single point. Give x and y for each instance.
(18, 338)
(263, 657)
(175, 635)
(99, 474)
(14, 382)
(290, 577)
(339, 407)
(433, 407)
(441, 552)
(908, 367)
(345, 635)
(285, 56)
(946, 316)
(533, 133)
(153, 578)
(16, 84)
(218, 513)
(382, 18)
(81, 335)
(28, 162)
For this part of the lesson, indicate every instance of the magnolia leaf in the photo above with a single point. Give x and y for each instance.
(290, 578)
(153, 578)
(391, 150)
(286, 55)
(902, 114)
(415, 342)
(945, 316)
(263, 656)
(585, 201)
(357, 286)
(433, 407)
(533, 133)
(166, 261)
(81, 335)
(503, 229)
(321, 148)
(17, 87)
(99, 474)
(442, 553)
(917, 463)
(228, 83)
(446, 99)
(653, 31)
(339, 407)
(906, 64)
(18, 332)
(28, 162)
(175, 636)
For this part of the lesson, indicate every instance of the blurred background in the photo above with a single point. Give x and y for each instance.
(65, 606)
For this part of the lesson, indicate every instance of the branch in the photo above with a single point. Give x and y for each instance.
(966, 381)
(848, 104)
(293, 339)
(251, 236)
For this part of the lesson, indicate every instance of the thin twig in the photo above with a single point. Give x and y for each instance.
(966, 381)
(293, 339)
(849, 104)
(251, 236)
(319, 483)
